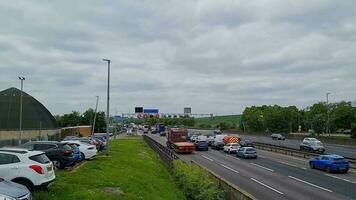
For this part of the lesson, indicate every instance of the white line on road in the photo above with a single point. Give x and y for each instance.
(229, 168)
(297, 179)
(271, 170)
(340, 178)
(207, 158)
(289, 164)
(269, 187)
(262, 156)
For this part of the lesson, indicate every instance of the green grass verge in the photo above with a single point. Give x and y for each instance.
(132, 166)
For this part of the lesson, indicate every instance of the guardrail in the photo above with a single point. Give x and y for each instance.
(168, 156)
(295, 152)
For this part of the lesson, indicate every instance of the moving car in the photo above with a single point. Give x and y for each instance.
(312, 147)
(87, 151)
(218, 142)
(246, 143)
(32, 169)
(312, 140)
(247, 152)
(277, 136)
(60, 154)
(330, 163)
(231, 148)
(13, 191)
(201, 145)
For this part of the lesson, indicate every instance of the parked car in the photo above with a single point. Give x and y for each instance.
(12, 191)
(330, 163)
(246, 143)
(231, 148)
(60, 154)
(76, 152)
(247, 152)
(312, 147)
(201, 145)
(277, 136)
(312, 140)
(32, 169)
(87, 151)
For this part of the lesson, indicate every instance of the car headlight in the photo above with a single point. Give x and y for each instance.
(4, 197)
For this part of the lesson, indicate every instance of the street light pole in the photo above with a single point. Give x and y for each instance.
(107, 107)
(21, 80)
(328, 113)
(96, 110)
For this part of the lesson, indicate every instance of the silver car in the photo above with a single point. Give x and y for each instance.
(13, 191)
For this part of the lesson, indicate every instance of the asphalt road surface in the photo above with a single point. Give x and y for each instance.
(275, 176)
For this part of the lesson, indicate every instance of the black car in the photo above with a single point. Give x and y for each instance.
(277, 136)
(60, 154)
(246, 143)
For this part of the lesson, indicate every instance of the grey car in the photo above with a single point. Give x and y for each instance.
(312, 146)
(247, 152)
(11, 190)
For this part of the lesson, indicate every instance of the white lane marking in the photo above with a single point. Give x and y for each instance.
(237, 158)
(292, 165)
(297, 179)
(229, 168)
(207, 158)
(267, 186)
(340, 178)
(271, 170)
(262, 156)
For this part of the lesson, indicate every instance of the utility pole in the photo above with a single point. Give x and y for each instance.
(20, 133)
(108, 107)
(328, 113)
(96, 110)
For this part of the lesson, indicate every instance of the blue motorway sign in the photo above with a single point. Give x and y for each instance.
(150, 111)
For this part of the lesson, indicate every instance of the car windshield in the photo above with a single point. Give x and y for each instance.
(235, 145)
(250, 150)
(315, 143)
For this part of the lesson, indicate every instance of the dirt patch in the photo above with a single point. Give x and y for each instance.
(113, 190)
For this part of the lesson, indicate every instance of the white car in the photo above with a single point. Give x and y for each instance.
(231, 147)
(32, 169)
(312, 140)
(87, 151)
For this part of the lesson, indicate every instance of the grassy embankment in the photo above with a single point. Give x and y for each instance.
(132, 166)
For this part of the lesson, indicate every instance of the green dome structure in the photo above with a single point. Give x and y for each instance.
(34, 114)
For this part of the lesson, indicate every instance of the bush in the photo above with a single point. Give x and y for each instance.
(196, 183)
(353, 131)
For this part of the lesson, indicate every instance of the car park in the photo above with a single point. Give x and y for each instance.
(246, 143)
(277, 136)
(312, 147)
(76, 152)
(60, 154)
(12, 191)
(231, 148)
(32, 169)
(87, 151)
(246, 152)
(330, 163)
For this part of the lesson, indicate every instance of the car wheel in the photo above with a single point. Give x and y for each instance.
(311, 165)
(328, 169)
(25, 183)
(82, 156)
(57, 164)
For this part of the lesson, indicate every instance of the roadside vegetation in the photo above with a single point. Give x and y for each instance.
(132, 167)
(196, 183)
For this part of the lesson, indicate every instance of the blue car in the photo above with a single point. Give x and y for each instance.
(330, 163)
(201, 145)
(76, 152)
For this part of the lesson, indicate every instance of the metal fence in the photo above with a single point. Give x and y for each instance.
(166, 154)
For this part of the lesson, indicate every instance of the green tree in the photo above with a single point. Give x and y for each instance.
(353, 131)
(318, 123)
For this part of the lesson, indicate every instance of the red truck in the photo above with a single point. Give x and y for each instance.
(177, 140)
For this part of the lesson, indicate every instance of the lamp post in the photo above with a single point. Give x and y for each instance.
(328, 113)
(107, 107)
(96, 110)
(21, 80)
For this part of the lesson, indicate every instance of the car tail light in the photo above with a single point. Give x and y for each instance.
(67, 152)
(37, 168)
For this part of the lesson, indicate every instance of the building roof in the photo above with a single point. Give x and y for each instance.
(34, 114)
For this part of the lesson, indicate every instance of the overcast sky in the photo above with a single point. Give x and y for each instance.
(216, 56)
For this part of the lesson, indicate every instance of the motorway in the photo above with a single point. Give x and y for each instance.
(343, 150)
(274, 176)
